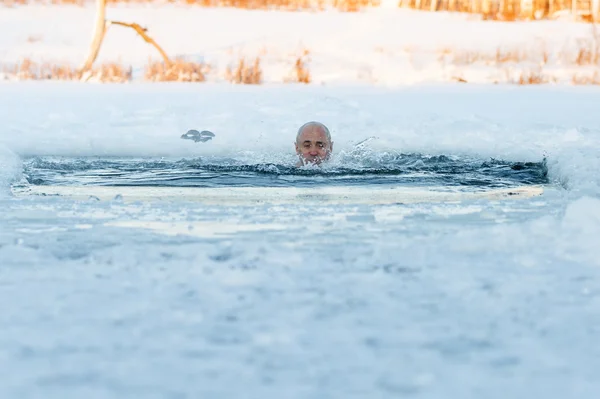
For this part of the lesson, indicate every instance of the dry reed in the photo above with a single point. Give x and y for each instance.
(585, 52)
(535, 78)
(300, 72)
(590, 79)
(282, 5)
(111, 73)
(30, 70)
(509, 10)
(588, 52)
(33, 39)
(521, 67)
(502, 10)
(245, 73)
(178, 71)
(155, 71)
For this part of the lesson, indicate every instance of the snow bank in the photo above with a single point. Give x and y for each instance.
(10, 170)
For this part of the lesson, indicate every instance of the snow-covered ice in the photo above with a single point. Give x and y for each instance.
(174, 299)
(10, 169)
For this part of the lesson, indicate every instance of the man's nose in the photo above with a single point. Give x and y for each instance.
(314, 151)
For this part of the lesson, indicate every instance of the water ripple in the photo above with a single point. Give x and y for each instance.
(410, 169)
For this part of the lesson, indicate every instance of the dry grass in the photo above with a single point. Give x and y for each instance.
(12, 3)
(538, 78)
(585, 52)
(33, 39)
(507, 10)
(355, 5)
(30, 70)
(535, 78)
(499, 57)
(111, 73)
(283, 5)
(526, 66)
(519, 67)
(245, 72)
(588, 52)
(466, 57)
(179, 71)
(589, 79)
(300, 72)
(470, 57)
(459, 79)
(511, 56)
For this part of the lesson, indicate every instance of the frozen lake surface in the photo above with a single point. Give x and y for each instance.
(172, 297)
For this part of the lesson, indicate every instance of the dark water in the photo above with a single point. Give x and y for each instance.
(398, 169)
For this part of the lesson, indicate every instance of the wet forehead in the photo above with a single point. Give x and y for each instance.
(313, 133)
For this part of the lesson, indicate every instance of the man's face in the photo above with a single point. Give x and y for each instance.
(313, 146)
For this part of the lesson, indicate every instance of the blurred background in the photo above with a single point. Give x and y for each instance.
(379, 42)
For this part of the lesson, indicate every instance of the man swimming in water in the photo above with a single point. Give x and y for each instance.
(313, 143)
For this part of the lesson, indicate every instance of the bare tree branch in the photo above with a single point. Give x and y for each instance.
(100, 29)
(142, 32)
(98, 36)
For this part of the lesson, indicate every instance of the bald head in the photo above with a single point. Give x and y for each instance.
(313, 125)
(313, 143)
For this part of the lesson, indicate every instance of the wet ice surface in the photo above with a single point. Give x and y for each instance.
(425, 300)
(473, 299)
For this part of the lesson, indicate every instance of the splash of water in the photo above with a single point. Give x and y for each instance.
(355, 167)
